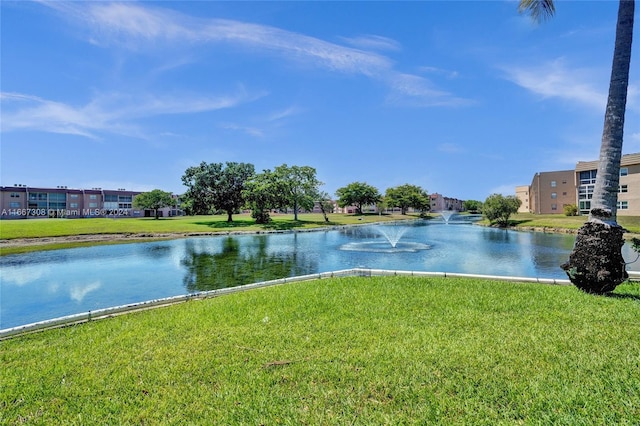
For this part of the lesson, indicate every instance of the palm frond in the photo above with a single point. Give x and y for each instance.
(539, 10)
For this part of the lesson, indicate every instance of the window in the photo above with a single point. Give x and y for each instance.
(554, 195)
(585, 206)
(110, 197)
(624, 171)
(94, 205)
(585, 192)
(554, 207)
(93, 197)
(623, 188)
(564, 193)
(554, 184)
(15, 195)
(623, 205)
(73, 205)
(73, 195)
(588, 177)
(38, 196)
(14, 205)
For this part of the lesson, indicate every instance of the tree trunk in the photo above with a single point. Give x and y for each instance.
(596, 264)
(229, 216)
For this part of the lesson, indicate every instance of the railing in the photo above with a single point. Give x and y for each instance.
(361, 272)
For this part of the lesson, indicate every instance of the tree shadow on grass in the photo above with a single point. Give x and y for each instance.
(632, 293)
(279, 225)
(218, 224)
(635, 297)
(294, 224)
(515, 222)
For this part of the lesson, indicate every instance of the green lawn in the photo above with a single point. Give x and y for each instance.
(35, 228)
(365, 351)
(43, 228)
(560, 221)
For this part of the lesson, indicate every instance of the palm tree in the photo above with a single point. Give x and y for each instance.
(596, 264)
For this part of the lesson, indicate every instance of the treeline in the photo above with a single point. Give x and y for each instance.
(215, 188)
(232, 187)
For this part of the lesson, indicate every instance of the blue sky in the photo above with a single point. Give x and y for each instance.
(461, 98)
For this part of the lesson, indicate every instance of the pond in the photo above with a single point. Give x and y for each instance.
(50, 284)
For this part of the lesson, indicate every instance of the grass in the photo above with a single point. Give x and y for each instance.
(342, 351)
(560, 221)
(37, 228)
(46, 228)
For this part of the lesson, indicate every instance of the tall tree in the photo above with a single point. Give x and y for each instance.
(153, 200)
(262, 194)
(357, 194)
(596, 264)
(497, 208)
(405, 196)
(217, 186)
(298, 187)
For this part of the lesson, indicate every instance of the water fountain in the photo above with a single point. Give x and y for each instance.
(391, 244)
(392, 233)
(447, 214)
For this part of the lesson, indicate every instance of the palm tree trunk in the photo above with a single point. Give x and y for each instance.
(596, 264)
(605, 195)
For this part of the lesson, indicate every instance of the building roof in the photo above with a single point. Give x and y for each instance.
(626, 160)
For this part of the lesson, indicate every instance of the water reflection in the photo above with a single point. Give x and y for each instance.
(235, 265)
(43, 285)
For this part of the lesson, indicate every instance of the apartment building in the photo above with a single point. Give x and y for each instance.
(549, 192)
(628, 191)
(23, 202)
(522, 194)
(440, 203)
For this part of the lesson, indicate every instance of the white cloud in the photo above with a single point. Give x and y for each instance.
(282, 114)
(439, 71)
(135, 26)
(555, 79)
(413, 90)
(373, 42)
(110, 113)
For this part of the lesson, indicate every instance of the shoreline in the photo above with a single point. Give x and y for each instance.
(43, 242)
(146, 236)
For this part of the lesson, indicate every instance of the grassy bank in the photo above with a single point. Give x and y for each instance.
(342, 351)
(38, 228)
(57, 228)
(555, 221)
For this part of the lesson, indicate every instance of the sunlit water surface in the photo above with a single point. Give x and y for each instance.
(51, 284)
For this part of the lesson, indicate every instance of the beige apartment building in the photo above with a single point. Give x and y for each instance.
(628, 192)
(522, 194)
(549, 192)
(439, 203)
(23, 202)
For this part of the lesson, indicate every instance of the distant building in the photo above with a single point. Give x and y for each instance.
(439, 203)
(522, 194)
(549, 192)
(23, 202)
(628, 192)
